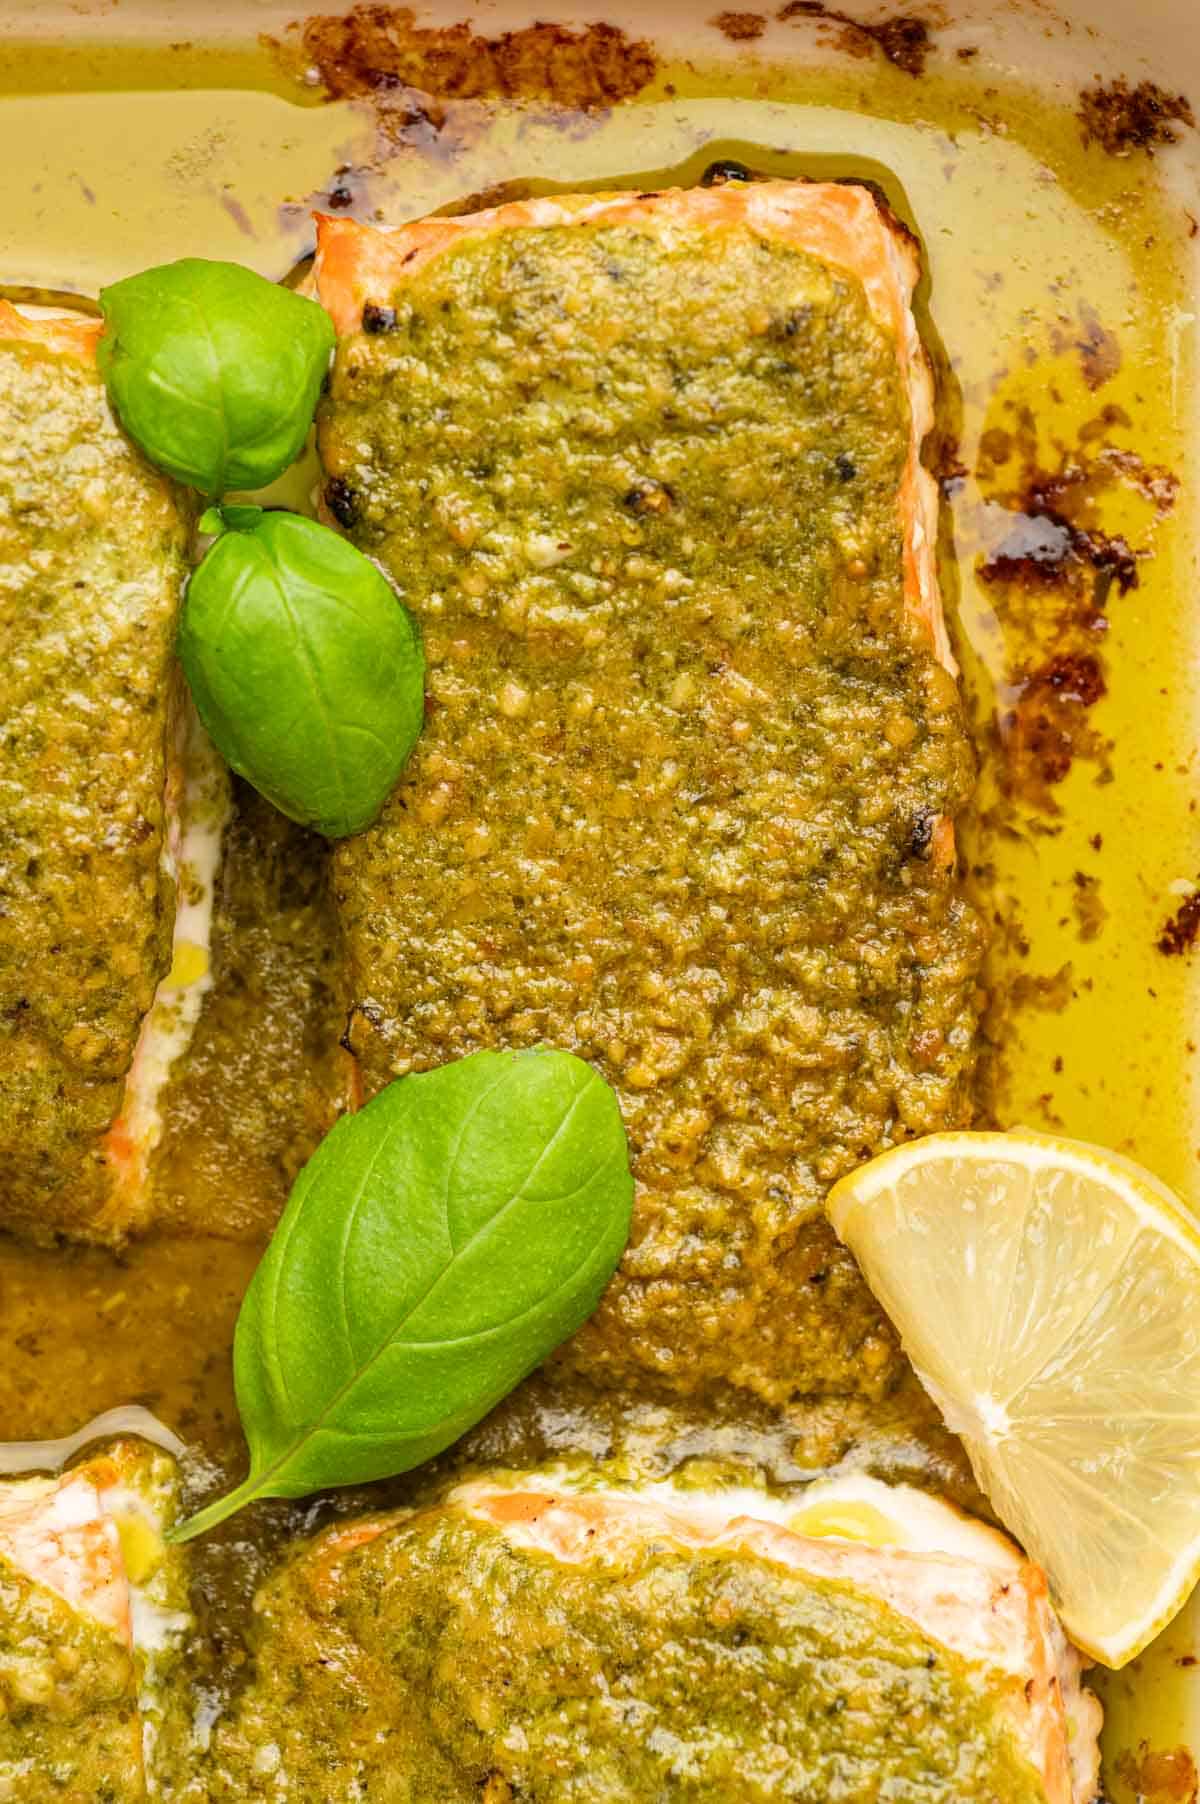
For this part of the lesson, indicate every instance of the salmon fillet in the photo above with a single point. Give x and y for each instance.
(92, 1611)
(994, 1611)
(593, 1643)
(59, 1536)
(647, 469)
(131, 1094)
(95, 822)
(836, 222)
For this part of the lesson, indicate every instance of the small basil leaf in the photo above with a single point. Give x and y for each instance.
(213, 370)
(434, 1250)
(305, 668)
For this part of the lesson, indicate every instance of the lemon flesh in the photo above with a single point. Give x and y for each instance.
(1048, 1295)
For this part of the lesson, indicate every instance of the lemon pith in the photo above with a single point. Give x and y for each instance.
(1048, 1295)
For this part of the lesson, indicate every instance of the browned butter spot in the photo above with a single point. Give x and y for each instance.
(1098, 349)
(1052, 574)
(1163, 1777)
(1090, 912)
(1181, 930)
(372, 49)
(904, 39)
(1049, 991)
(740, 28)
(1047, 727)
(1122, 119)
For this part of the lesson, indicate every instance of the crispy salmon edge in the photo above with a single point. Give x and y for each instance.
(70, 337)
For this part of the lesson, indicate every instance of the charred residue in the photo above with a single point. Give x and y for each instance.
(650, 497)
(1122, 119)
(726, 170)
(905, 39)
(376, 319)
(381, 53)
(342, 502)
(921, 834)
(740, 28)
(1052, 569)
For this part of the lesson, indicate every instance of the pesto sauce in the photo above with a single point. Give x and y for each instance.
(438, 1664)
(92, 547)
(683, 745)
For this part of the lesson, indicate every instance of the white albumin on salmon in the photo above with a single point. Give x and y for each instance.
(198, 806)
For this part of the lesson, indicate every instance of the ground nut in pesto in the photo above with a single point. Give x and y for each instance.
(675, 804)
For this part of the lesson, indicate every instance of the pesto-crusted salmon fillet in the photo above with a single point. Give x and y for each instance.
(93, 1609)
(647, 469)
(92, 779)
(596, 1645)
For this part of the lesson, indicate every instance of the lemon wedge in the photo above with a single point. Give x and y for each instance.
(1048, 1294)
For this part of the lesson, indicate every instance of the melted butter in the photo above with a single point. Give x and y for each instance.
(151, 154)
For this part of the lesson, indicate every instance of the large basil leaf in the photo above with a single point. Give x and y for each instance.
(305, 668)
(435, 1249)
(213, 370)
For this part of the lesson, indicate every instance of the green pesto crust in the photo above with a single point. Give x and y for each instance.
(69, 1727)
(92, 549)
(438, 1664)
(672, 808)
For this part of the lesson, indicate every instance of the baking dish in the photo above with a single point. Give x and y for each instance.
(137, 131)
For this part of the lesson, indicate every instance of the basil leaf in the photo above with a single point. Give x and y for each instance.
(213, 370)
(434, 1250)
(305, 668)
